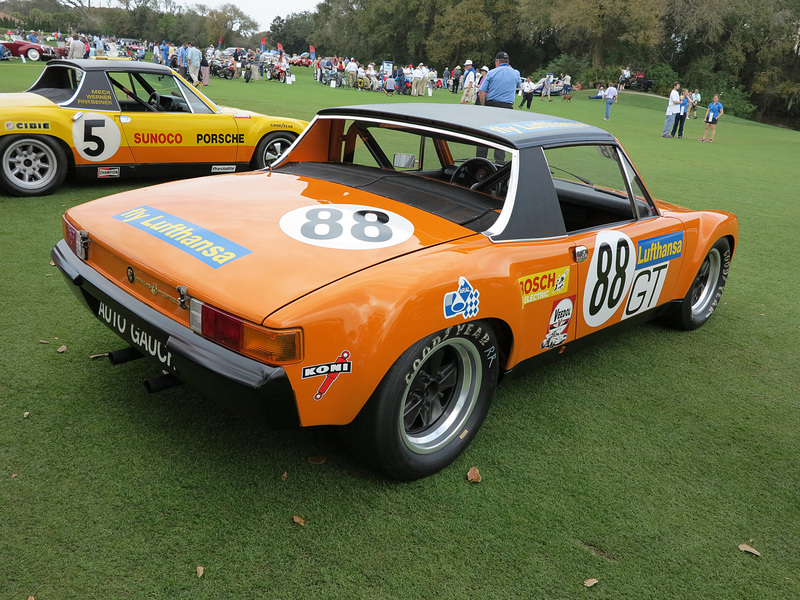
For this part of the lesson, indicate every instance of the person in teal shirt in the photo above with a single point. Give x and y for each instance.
(713, 113)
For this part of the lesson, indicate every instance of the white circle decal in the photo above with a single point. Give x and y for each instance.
(346, 226)
(96, 137)
(609, 277)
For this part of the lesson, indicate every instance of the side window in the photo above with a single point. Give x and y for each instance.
(591, 184)
(125, 100)
(198, 106)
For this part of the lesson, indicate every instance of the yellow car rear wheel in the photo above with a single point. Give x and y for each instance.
(31, 165)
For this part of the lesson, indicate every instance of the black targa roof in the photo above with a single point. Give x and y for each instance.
(88, 64)
(512, 128)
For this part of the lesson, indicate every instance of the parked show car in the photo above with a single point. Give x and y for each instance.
(19, 46)
(555, 86)
(391, 268)
(104, 119)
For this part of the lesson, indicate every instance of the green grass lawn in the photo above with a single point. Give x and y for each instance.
(642, 462)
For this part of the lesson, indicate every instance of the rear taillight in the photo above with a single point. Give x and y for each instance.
(272, 346)
(78, 240)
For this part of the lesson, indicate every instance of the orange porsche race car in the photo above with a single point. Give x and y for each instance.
(391, 267)
(110, 119)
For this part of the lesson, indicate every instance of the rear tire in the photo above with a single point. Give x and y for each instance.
(31, 166)
(703, 296)
(430, 404)
(271, 147)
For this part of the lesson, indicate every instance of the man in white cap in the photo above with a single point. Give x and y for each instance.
(416, 81)
(352, 73)
(469, 92)
(372, 76)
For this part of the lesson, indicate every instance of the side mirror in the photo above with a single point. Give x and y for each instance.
(404, 161)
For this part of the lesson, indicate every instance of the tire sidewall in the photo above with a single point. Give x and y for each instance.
(691, 321)
(60, 166)
(376, 433)
(258, 161)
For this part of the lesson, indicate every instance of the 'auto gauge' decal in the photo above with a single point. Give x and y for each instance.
(464, 301)
(331, 371)
(609, 278)
(558, 325)
(96, 136)
(346, 227)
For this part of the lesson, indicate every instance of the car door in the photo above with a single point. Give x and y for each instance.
(183, 129)
(627, 255)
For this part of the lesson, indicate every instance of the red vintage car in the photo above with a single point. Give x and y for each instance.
(19, 46)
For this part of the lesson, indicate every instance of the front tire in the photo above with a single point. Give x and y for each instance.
(703, 296)
(31, 166)
(33, 54)
(430, 404)
(271, 147)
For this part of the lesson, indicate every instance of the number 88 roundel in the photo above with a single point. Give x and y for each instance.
(609, 278)
(346, 227)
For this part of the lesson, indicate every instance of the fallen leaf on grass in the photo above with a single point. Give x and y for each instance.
(31, 597)
(14, 475)
(62, 349)
(750, 549)
(52, 264)
(299, 520)
(43, 342)
(590, 582)
(474, 475)
(101, 355)
(316, 460)
(285, 476)
(26, 414)
(200, 571)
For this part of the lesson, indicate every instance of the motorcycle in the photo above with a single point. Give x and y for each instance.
(277, 71)
(218, 68)
(332, 75)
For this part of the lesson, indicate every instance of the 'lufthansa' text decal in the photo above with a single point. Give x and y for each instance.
(207, 246)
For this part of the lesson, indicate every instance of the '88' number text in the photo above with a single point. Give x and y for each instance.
(609, 278)
(346, 227)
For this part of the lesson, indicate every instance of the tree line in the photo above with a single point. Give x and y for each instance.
(749, 52)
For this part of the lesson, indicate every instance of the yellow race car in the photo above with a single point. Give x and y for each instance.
(114, 119)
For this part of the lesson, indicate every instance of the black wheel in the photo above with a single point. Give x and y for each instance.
(472, 171)
(703, 296)
(430, 404)
(33, 54)
(31, 166)
(229, 73)
(271, 147)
